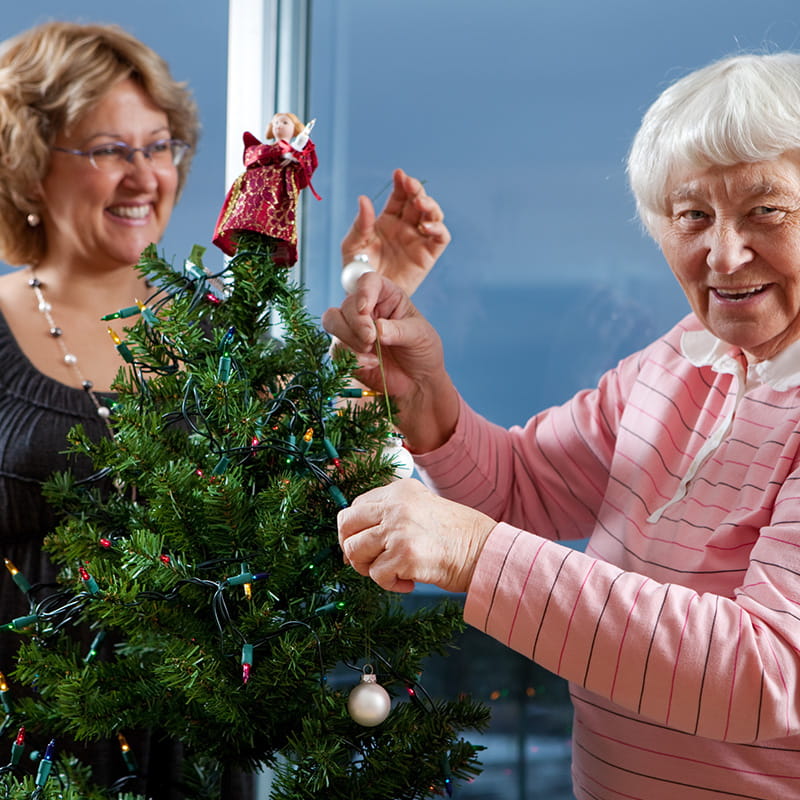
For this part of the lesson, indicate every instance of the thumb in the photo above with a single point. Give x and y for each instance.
(365, 219)
(361, 231)
(391, 331)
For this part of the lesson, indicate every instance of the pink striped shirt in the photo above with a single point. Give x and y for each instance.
(679, 626)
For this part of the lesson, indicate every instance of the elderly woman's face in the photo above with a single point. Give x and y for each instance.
(108, 216)
(732, 238)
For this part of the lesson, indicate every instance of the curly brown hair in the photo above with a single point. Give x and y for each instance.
(50, 76)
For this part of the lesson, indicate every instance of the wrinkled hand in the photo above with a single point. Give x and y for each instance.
(411, 349)
(402, 533)
(411, 365)
(404, 242)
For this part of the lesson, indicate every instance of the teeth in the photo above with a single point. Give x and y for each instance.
(738, 295)
(131, 212)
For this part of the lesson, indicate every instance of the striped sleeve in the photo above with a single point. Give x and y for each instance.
(720, 668)
(549, 475)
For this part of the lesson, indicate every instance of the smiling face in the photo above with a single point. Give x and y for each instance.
(732, 239)
(101, 218)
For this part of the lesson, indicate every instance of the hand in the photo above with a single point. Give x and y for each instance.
(411, 350)
(411, 368)
(403, 533)
(405, 241)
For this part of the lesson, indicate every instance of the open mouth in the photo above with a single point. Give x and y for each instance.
(130, 212)
(738, 295)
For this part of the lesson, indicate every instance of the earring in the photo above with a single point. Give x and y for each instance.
(33, 219)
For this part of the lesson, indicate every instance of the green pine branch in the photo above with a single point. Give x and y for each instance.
(201, 590)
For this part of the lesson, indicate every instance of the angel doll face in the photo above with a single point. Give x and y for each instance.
(282, 127)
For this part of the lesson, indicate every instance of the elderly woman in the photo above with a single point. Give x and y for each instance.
(679, 626)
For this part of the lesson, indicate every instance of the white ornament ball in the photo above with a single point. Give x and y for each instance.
(369, 703)
(353, 271)
(402, 460)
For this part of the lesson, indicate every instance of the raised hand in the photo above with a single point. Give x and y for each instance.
(404, 242)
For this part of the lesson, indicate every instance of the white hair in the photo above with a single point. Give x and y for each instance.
(741, 109)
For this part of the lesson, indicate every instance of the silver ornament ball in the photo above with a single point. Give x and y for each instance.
(369, 703)
(402, 460)
(353, 271)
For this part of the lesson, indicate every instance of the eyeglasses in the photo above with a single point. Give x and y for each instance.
(113, 155)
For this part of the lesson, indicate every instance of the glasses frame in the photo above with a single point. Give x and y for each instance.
(177, 146)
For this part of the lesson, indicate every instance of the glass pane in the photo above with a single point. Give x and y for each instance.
(517, 114)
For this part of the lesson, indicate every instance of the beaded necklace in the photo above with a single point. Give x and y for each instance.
(70, 359)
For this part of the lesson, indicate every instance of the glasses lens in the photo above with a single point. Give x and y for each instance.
(178, 149)
(166, 151)
(113, 156)
(109, 156)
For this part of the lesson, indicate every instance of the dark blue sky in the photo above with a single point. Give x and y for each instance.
(518, 114)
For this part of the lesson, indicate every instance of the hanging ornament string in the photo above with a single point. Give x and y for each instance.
(400, 456)
(351, 272)
(383, 376)
(70, 359)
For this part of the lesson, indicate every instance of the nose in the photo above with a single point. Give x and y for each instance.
(728, 248)
(141, 170)
(133, 152)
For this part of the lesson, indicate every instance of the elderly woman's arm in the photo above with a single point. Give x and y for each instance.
(718, 667)
(724, 668)
(708, 641)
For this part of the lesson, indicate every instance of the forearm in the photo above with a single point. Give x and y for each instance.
(428, 415)
(697, 662)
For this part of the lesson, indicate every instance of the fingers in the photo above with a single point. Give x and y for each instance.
(363, 537)
(353, 323)
(410, 201)
(353, 330)
(437, 233)
(402, 533)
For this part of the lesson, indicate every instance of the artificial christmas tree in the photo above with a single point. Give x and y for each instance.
(202, 555)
